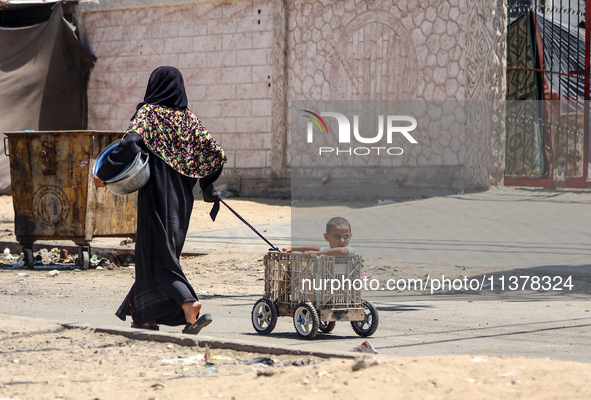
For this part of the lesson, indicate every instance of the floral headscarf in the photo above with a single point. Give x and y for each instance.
(179, 138)
(171, 131)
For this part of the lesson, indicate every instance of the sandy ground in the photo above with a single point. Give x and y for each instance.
(81, 364)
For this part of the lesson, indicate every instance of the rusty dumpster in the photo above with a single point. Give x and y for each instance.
(54, 195)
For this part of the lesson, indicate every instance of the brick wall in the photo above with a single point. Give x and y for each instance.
(222, 48)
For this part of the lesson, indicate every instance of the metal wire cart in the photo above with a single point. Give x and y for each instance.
(316, 291)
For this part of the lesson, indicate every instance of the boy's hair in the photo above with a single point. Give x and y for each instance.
(337, 221)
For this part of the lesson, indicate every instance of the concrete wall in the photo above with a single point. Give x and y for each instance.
(244, 61)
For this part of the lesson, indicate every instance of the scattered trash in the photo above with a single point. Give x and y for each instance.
(209, 372)
(386, 201)
(103, 263)
(43, 259)
(126, 241)
(216, 357)
(7, 255)
(158, 386)
(366, 347)
(260, 360)
(300, 363)
(53, 273)
(184, 361)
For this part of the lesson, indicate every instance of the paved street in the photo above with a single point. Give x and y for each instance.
(533, 231)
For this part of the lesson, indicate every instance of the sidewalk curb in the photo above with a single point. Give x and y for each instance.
(205, 341)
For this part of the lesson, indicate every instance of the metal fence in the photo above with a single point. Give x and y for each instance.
(547, 89)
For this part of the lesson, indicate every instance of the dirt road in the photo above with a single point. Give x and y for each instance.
(40, 360)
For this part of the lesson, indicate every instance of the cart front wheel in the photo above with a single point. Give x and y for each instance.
(327, 327)
(305, 320)
(369, 325)
(264, 316)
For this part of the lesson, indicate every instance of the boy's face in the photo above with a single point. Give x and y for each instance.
(338, 236)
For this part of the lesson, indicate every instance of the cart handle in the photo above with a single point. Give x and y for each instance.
(249, 225)
(6, 146)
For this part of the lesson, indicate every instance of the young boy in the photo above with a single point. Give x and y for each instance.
(338, 234)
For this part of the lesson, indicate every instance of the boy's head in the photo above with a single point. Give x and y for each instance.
(338, 232)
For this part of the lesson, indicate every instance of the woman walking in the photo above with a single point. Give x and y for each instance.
(181, 152)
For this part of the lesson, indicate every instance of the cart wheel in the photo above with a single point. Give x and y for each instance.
(327, 327)
(369, 325)
(83, 260)
(305, 320)
(264, 316)
(28, 257)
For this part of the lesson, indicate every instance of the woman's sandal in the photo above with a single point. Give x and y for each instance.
(150, 327)
(202, 322)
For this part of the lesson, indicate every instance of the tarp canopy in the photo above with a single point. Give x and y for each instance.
(44, 70)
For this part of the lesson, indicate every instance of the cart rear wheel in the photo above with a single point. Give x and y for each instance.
(305, 320)
(327, 327)
(264, 316)
(369, 325)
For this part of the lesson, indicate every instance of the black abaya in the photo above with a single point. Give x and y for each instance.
(164, 210)
(166, 201)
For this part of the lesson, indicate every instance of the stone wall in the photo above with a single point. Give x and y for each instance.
(245, 61)
(415, 50)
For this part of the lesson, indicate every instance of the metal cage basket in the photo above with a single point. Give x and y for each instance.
(326, 282)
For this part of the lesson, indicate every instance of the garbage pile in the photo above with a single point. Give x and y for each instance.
(51, 258)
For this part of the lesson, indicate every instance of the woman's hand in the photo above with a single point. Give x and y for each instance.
(98, 182)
